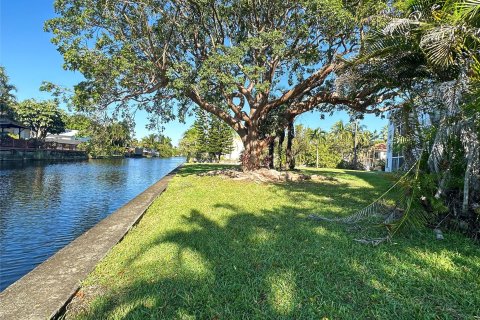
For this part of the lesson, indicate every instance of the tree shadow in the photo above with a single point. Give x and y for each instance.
(274, 264)
(331, 198)
(193, 169)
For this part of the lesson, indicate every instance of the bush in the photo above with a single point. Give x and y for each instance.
(344, 164)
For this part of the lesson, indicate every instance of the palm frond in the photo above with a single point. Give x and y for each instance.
(440, 45)
(469, 9)
(423, 9)
(392, 209)
(400, 26)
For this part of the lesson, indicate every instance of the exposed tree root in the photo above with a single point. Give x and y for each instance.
(267, 175)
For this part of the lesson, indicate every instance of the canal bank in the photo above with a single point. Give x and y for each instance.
(45, 291)
(45, 205)
(41, 154)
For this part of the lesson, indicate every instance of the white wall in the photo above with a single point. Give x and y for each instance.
(390, 137)
(237, 150)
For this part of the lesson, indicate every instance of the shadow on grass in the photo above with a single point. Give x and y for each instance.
(191, 169)
(371, 185)
(275, 264)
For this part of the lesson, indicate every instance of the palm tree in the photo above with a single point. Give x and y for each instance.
(344, 136)
(7, 98)
(318, 135)
(430, 53)
(360, 135)
(150, 142)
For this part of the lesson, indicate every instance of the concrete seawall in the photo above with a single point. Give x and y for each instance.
(41, 154)
(45, 291)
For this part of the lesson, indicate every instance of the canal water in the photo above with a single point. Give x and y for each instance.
(44, 206)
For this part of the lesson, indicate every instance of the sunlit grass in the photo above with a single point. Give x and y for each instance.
(212, 248)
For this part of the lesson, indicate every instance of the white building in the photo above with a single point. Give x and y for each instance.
(395, 156)
(236, 151)
(66, 140)
(374, 156)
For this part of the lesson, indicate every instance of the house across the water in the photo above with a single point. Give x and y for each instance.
(67, 140)
(9, 126)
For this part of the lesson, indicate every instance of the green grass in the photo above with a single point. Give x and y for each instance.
(212, 248)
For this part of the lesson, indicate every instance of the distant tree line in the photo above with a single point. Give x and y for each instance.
(345, 145)
(104, 135)
(41, 117)
(157, 142)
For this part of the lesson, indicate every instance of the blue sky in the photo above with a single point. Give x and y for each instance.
(30, 58)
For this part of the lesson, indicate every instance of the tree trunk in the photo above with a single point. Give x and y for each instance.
(253, 149)
(355, 158)
(289, 153)
(281, 138)
(271, 154)
(466, 182)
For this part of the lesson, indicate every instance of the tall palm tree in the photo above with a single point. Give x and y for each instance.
(318, 135)
(343, 135)
(7, 98)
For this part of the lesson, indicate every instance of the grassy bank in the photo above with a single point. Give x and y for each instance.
(211, 248)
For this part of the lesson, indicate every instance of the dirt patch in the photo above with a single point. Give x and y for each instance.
(266, 175)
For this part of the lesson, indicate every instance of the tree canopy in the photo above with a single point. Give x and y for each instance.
(238, 59)
(41, 117)
(7, 98)
(160, 143)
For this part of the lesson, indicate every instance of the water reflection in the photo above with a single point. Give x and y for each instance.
(44, 206)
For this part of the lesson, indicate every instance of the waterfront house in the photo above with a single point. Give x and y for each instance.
(68, 140)
(12, 127)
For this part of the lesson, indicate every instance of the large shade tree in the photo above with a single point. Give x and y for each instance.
(237, 59)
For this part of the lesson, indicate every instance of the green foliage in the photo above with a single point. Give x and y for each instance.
(81, 122)
(41, 117)
(334, 148)
(220, 137)
(189, 144)
(429, 49)
(201, 126)
(106, 137)
(160, 143)
(320, 152)
(237, 60)
(412, 203)
(7, 98)
(113, 59)
(208, 139)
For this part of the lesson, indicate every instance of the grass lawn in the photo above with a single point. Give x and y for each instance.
(210, 248)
